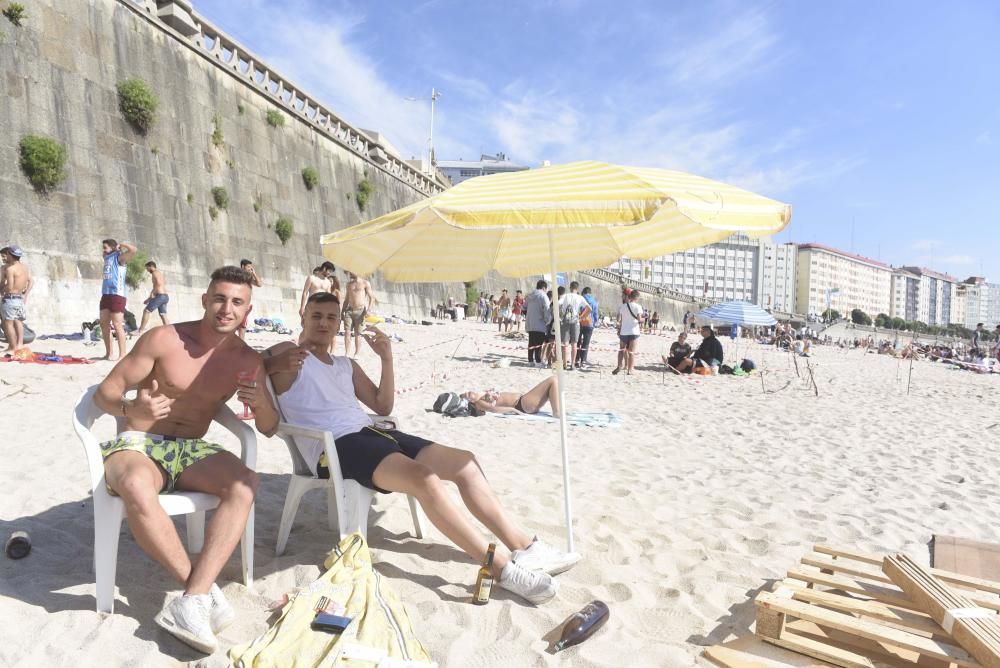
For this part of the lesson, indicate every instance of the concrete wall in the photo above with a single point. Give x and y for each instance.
(58, 77)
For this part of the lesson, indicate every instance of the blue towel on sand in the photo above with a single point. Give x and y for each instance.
(577, 418)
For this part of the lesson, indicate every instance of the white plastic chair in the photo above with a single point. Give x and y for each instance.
(109, 510)
(348, 502)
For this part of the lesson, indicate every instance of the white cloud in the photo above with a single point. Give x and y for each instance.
(926, 244)
(985, 138)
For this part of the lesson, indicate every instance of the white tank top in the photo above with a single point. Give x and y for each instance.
(322, 397)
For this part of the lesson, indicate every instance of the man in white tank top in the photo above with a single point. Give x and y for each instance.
(318, 390)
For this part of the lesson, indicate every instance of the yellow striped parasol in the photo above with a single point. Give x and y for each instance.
(561, 218)
(592, 213)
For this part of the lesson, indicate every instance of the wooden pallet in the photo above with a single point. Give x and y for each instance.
(837, 606)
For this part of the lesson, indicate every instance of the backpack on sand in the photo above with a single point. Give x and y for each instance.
(452, 405)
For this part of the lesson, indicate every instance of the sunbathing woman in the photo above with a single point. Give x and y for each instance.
(530, 402)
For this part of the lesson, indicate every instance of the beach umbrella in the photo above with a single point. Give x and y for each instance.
(738, 313)
(558, 218)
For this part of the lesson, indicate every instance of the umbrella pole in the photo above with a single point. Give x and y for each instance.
(562, 396)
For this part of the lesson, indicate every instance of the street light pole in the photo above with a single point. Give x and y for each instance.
(435, 94)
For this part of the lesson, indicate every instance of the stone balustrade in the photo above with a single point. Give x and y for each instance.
(178, 18)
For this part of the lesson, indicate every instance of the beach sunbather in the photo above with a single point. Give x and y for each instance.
(532, 401)
(184, 373)
(318, 390)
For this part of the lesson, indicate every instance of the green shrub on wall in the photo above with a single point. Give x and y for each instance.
(310, 177)
(138, 103)
(275, 118)
(213, 213)
(221, 197)
(135, 270)
(15, 13)
(217, 138)
(365, 189)
(43, 161)
(283, 228)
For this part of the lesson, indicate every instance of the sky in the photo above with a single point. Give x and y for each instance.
(879, 122)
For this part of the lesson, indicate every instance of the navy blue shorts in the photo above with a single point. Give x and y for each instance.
(360, 453)
(158, 303)
(626, 339)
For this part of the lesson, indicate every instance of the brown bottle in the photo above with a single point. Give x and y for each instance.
(484, 581)
(583, 624)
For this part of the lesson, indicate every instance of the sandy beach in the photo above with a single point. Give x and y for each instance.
(709, 490)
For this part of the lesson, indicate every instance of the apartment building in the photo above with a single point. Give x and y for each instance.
(904, 294)
(936, 297)
(827, 277)
(981, 300)
(462, 170)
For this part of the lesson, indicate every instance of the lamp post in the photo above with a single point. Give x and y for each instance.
(435, 94)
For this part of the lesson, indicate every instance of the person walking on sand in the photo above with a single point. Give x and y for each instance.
(629, 317)
(114, 294)
(315, 389)
(586, 329)
(572, 307)
(184, 373)
(518, 310)
(15, 284)
(359, 298)
(503, 306)
(247, 266)
(158, 297)
(536, 321)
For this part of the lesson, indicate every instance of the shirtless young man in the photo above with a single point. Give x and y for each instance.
(247, 266)
(184, 372)
(15, 284)
(323, 279)
(317, 390)
(358, 299)
(114, 294)
(505, 313)
(158, 297)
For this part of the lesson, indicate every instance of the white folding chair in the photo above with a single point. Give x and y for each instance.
(348, 502)
(109, 510)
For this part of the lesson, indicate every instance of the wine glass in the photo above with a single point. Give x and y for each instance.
(246, 377)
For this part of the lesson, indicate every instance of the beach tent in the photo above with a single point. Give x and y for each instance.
(738, 313)
(558, 218)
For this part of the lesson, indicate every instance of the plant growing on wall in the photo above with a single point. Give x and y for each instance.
(43, 161)
(310, 177)
(275, 118)
(220, 197)
(190, 198)
(283, 228)
(258, 203)
(15, 13)
(241, 108)
(138, 104)
(213, 213)
(135, 270)
(217, 139)
(365, 189)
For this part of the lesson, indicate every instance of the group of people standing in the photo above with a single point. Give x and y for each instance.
(505, 312)
(577, 312)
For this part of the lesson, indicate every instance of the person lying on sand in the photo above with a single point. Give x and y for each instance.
(318, 390)
(184, 373)
(530, 402)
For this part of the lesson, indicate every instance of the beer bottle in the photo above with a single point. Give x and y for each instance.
(484, 581)
(583, 624)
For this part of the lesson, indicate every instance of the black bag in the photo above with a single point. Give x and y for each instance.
(725, 370)
(748, 365)
(452, 405)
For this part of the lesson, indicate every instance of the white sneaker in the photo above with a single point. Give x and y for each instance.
(535, 586)
(540, 556)
(222, 613)
(188, 619)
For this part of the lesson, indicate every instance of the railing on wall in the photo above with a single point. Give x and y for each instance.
(239, 61)
(641, 286)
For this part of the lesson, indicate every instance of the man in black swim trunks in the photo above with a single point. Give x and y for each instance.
(318, 390)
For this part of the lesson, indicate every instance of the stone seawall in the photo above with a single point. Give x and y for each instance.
(58, 78)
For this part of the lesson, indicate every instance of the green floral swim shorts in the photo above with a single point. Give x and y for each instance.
(174, 455)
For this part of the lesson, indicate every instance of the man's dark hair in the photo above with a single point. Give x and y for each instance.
(110, 242)
(519, 292)
(574, 286)
(244, 262)
(541, 284)
(586, 290)
(562, 290)
(322, 298)
(230, 274)
(328, 266)
(979, 324)
(150, 264)
(634, 294)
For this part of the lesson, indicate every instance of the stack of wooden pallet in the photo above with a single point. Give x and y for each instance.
(864, 611)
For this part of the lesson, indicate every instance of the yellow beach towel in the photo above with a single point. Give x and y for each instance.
(379, 635)
(372, 319)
